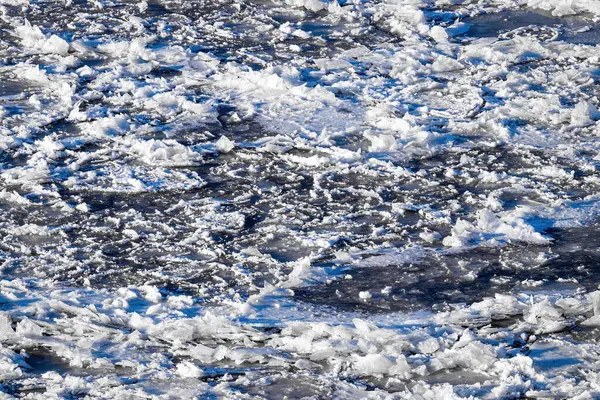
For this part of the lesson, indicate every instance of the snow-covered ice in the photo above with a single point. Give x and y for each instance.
(302, 198)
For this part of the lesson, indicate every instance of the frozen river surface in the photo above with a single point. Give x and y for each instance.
(257, 199)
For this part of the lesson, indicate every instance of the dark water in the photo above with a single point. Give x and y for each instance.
(506, 24)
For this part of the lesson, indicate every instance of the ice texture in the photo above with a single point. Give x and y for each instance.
(302, 198)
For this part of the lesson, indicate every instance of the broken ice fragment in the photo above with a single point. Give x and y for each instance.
(224, 145)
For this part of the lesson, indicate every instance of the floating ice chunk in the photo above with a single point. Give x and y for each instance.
(167, 103)
(306, 364)
(407, 20)
(215, 219)
(401, 367)
(130, 233)
(371, 364)
(76, 115)
(383, 118)
(37, 173)
(562, 9)
(82, 207)
(594, 298)
(156, 309)
(429, 236)
(143, 324)
(28, 328)
(35, 102)
(136, 23)
(512, 227)
(381, 143)
(466, 338)
(14, 2)
(545, 318)
(151, 293)
(6, 330)
(133, 49)
(181, 301)
(275, 144)
(429, 346)
(109, 126)
(446, 64)
(475, 356)
(559, 8)
(186, 369)
(268, 81)
(115, 49)
(13, 197)
(33, 38)
(164, 152)
(56, 45)
(552, 171)
(519, 49)
(203, 62)
(299, 33)
(327, 64)
(206, 110)
(202, 353)
(438, 34)
(311, 5)
(458, 28)
(80, 46)
(460, 234)
(10, 363)
(224, 145)
(584, 114)
(365, 295)
(362, 326)
(49, 147)
(128, 179)
(300, 272)
(508, 227)
(32, 73)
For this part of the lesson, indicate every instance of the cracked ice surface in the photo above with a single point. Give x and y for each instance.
(302, 198)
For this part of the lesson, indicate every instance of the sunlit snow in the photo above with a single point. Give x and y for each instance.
(385, 199)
